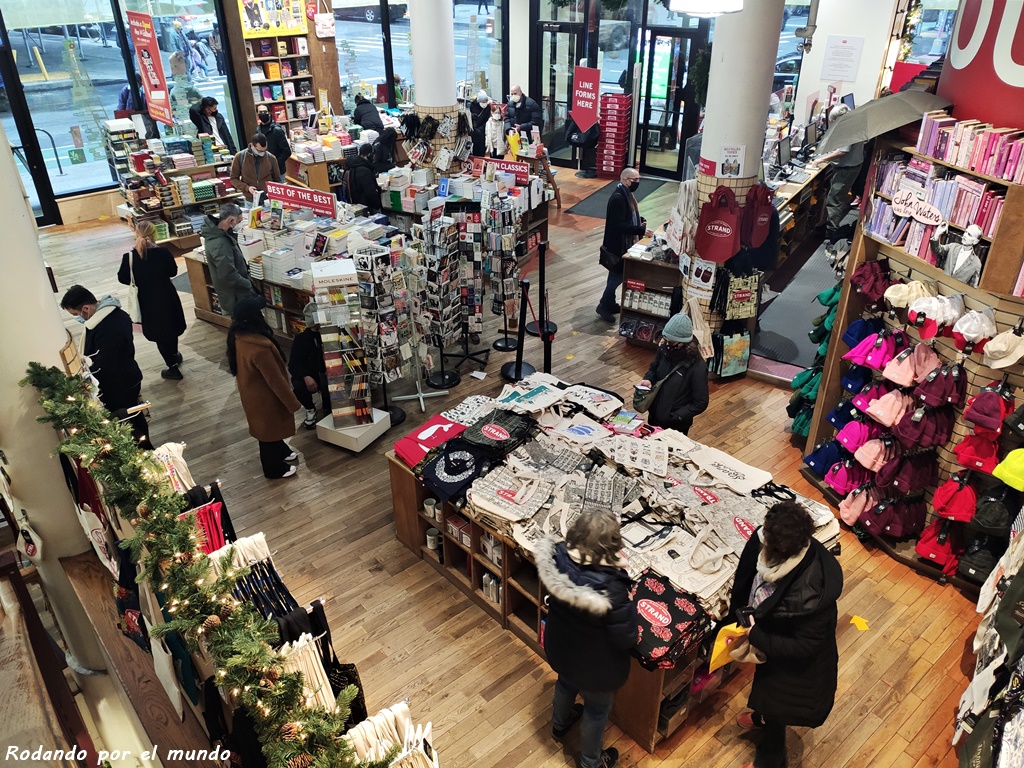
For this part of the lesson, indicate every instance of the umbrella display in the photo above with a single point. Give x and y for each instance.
(879, 116)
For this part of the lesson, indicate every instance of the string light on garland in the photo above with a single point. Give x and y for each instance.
(199, 600)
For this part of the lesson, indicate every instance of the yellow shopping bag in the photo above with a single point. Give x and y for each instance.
(727, 636)
(514, 142)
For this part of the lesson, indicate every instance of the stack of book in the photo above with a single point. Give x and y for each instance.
(973, 146)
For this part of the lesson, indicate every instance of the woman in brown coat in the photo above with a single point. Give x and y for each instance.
(257, 362)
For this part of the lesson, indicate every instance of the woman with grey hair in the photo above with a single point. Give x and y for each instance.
(591, 628)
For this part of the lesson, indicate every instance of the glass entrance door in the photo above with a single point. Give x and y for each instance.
(28, 157)
(667, 115)
(561, 47)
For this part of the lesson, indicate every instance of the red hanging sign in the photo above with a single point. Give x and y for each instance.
(300, 197)
(147, 52)
(586, 83)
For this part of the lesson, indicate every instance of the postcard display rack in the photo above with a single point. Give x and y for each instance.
(384, 309)
(502, 228)
(352, 423)
(887, 241)
(443, 307)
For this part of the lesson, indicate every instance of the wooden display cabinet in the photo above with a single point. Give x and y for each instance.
(522, 611)
(658, 277)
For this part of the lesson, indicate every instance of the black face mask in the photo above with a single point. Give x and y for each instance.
(264, 117)
(633, 186)
(676, 353)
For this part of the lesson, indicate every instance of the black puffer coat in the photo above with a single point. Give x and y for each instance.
(683, 396)
(796, 630)
(591, 624)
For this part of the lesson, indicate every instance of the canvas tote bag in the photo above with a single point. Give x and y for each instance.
(718, 229)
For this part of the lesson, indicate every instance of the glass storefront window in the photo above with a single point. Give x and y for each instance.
(71, 72)
(931, 33)
(562, 10)
(660, 16)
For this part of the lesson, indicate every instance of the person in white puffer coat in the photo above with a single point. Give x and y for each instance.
(494, 133)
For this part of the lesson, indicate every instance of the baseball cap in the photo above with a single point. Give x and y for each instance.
(923, 314)
(976, 327)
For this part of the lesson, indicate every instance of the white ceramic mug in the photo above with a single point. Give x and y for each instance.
(433, 538)
(430, 507)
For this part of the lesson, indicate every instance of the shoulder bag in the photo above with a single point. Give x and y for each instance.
(610, 260)
(133, 309)
(642, 401)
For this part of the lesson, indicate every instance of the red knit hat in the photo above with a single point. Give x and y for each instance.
(955, 499)
(976, 452)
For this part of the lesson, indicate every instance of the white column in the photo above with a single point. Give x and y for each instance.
(33, 331)
(740, 82)
(433, 52)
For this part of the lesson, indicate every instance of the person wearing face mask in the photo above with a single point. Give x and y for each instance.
(494, 134)
(623, 227)
(253, 167)
(110, 346)
(277, 138)
(683, 374)
(522, 114)
(480, 111)
(207, 119)
(229, 271)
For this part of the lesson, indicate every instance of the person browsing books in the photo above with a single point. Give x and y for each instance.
(253, 167)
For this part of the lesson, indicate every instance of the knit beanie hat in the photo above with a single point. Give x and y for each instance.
(309, 314)
(249, 309)
(678, 329)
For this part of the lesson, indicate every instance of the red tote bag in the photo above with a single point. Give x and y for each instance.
(757, 216)
(718, 229)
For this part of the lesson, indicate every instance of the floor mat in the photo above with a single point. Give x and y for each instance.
(181, 283)
(786, 321)
(596, 204)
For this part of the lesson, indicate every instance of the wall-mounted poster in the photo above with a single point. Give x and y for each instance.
(270, 18)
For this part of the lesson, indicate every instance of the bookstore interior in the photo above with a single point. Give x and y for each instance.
(365, 236)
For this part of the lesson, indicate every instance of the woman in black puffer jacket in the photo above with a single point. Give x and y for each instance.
(684, 375)
(791, 583)
(591, 627)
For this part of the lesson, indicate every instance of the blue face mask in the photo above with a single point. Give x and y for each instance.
(80, 319)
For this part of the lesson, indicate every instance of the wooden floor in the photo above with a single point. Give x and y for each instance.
(414, 635)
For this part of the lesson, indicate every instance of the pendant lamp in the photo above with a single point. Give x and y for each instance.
(705, 8)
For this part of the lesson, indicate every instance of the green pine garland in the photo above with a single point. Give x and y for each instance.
(170, 559)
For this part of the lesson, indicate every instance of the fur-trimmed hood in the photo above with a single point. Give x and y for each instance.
(581, 587)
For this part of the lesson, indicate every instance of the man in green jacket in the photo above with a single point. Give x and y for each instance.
(228, 268)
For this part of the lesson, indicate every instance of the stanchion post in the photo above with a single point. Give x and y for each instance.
(518, 370)
(543, 322)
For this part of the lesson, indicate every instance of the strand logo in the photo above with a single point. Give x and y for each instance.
(656, 614)
(507, 494)
(763, 219)
(741, 295)
(745, 529)
(494, 432)
(718, 228)
(707, 496)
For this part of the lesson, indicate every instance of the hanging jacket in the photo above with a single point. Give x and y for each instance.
(229, 271)
(683, 396)
(110, 345)
(796, 630)
(591, 625)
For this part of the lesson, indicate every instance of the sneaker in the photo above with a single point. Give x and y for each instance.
(310, 421)
(293, 456)
(605, 315)
(291, 471)
(171, 373)
(574, 717)
(609, 757)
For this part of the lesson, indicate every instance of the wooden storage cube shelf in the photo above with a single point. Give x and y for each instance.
(522, 616)
(492, 608)
(458, 561)
(522, 575)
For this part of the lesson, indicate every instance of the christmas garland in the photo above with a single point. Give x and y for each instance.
(170, 559)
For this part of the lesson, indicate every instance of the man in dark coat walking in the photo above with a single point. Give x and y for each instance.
(591, 628)
(623, 226)
(277, 138)
(788, 584)
(110, 346)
